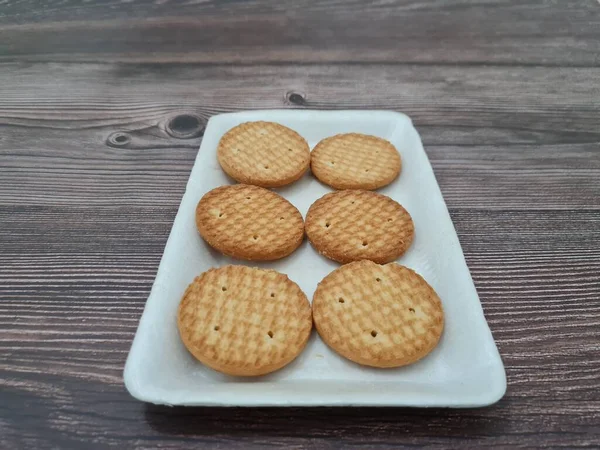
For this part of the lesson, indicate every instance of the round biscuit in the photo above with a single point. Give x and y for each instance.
(353, 225)
(249, 222)
(355, 161)
(379, 316)
(244, 321)
(264, 154)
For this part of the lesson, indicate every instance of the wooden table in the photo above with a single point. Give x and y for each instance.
(102, 106)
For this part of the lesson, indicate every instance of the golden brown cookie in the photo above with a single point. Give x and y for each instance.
(264, 154)
(355, 161)
(249, 222)
(244, 321)
(380, 316)
(352, 225)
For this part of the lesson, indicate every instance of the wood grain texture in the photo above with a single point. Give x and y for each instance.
(546, 32)
(506, 97)
(493, 133)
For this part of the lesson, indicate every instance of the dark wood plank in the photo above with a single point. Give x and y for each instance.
(543, 32)
(492, 134)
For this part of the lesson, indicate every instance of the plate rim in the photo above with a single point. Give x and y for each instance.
(495, 370)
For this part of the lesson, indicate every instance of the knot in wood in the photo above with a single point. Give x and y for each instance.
(118, 139)
(185, 126)
(296, 98)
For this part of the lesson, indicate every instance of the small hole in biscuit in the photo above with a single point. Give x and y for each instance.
(341, 300)
(272, 294)
(270, 333)
(220, 214)
(389, 220)
(412, 310)
(327, 224)
(255, 237)
(332, 163)
(366, 170)
(378, 279)
(353, 202)
(365, 243)
(247, 198)
(223, 288)
(281, 218)
(266, 167)
(217, 328)
(374, 333)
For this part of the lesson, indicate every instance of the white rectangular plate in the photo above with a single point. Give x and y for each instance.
(464, 370)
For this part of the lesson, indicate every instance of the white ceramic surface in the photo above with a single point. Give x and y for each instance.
(464, 370)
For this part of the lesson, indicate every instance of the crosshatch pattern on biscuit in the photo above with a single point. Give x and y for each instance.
(382, 316)
(244, 320)
(355, 161)
(264, 154)
(249, 222)
(353, 225)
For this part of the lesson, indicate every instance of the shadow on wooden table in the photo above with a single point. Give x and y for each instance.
(376, 423)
